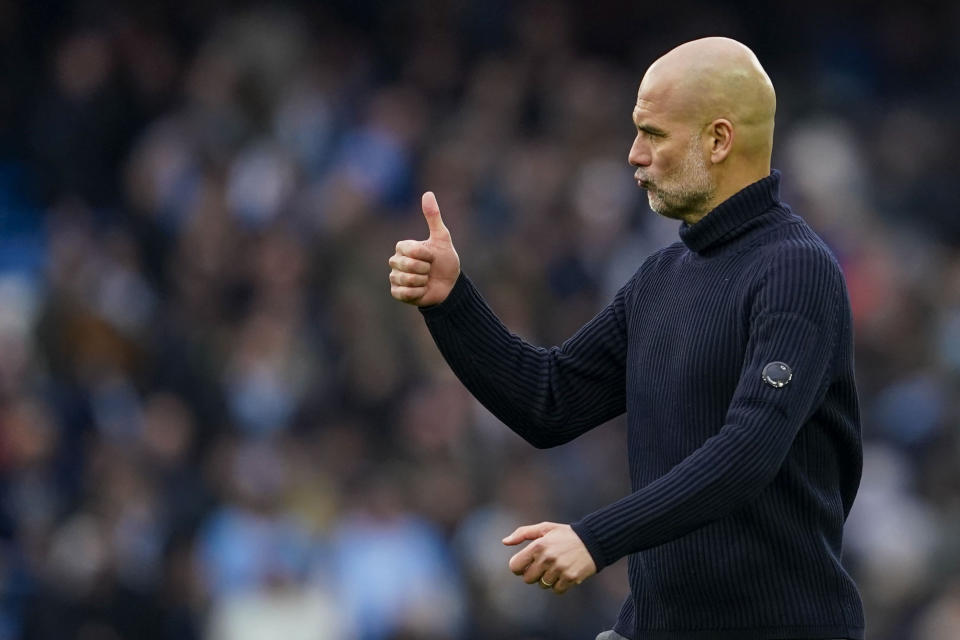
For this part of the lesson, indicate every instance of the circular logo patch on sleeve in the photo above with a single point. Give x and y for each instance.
(777, 374)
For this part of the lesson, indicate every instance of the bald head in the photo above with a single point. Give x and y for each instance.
(711, 78)
(714, 93)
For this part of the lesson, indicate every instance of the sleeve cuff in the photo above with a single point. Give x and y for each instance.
(462, 289)
(590, 542)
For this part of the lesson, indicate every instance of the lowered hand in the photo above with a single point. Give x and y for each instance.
(556, 559)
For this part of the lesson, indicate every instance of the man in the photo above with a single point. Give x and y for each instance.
(731, 353)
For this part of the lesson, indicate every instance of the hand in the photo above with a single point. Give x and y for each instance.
(557, 558)
(424, 271)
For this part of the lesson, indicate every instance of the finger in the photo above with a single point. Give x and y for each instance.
(409, 265)
(541, 562)
(561, 585)
(407, 294)
(534, 571)
(528, 532)
(414, 249)
(521, 560)
(549, 579)
(402, 279)
(431, 211)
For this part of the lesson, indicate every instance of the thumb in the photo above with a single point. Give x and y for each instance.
(431, 211)
(529, 532)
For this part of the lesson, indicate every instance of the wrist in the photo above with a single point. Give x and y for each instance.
(460, 290)
(590, 542)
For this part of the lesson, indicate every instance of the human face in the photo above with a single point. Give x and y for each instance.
(671, 165)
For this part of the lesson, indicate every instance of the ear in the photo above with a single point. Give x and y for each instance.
(720, 136)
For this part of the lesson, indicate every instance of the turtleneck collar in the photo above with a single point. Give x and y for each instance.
(729, 219)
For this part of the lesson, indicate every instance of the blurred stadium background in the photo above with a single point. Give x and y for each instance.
(216, 424)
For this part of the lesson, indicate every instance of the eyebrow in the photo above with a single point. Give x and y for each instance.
(649, 128)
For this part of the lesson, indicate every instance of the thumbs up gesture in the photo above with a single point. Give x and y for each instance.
(424, 271)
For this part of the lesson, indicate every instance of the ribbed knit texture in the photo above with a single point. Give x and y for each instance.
(740, 489)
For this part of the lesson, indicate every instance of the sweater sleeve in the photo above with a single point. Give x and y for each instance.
(547, 396)
(795, 319)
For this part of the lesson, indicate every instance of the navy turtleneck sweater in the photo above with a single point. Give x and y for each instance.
(732, 354)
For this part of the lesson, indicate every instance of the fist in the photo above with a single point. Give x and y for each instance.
(422, 272)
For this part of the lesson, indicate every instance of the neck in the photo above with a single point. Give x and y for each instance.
(731, 183)
(694, 217)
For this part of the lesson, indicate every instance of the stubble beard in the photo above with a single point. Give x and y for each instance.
(692, 188)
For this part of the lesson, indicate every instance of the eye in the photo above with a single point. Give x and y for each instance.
(650, 134)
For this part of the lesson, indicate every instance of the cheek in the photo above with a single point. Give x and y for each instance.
(663, 164)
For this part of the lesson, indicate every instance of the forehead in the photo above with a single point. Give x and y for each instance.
(648, 108)
(660, 102)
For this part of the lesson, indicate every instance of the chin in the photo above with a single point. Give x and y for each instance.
(657, 206)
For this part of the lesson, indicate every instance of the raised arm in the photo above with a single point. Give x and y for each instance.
(547, 396)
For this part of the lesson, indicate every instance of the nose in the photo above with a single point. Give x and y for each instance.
(639, 153)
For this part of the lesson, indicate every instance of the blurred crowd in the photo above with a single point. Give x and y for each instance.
(215, 423)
